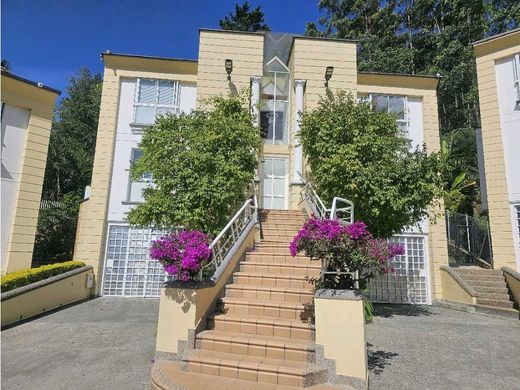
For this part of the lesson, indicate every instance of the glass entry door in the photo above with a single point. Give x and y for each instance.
(274, 183)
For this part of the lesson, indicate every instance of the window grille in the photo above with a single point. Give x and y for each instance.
(155, 97)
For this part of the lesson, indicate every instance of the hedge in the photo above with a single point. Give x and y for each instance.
(22, 278)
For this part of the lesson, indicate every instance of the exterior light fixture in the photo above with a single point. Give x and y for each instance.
(328, 75)
(229, 68)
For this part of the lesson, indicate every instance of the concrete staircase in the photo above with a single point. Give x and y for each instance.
(263, 338)
(491, 290)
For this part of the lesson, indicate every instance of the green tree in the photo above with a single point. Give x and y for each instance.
(73, 137)
(201, 163)
(244, 19)
(359, 154)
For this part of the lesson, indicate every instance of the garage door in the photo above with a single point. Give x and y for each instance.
(410, 281)
(128, 269)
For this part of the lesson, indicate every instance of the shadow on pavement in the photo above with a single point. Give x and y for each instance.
(378, 360)
(391, 310)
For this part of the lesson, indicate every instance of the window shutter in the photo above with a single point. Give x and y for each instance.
(166, 89)
(146, 91)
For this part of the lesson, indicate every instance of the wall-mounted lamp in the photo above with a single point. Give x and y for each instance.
(229, 68)
(328, 75)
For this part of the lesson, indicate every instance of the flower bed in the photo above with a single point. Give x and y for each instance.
(22, 278)
(183, 254)
(344, 249)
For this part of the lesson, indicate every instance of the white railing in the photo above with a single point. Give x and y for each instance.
(342, 209)
(225, 243)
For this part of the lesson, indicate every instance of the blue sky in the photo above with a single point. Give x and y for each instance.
(60, 36)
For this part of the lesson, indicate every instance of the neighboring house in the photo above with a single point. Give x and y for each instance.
(27, 109)
(498, 69)
(286, 76)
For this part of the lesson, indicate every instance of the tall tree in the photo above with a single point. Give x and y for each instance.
(244, 19)
(73, 137)
(426, 37)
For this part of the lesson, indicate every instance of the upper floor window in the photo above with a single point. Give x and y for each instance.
(136, 187)
(392, 104)
(516, 76)
(274, 102)
(155, 97)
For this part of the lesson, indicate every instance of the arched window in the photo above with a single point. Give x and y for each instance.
(274, 102)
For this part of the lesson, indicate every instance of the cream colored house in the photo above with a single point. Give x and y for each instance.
(285, 74)
(27, 109)
(498, 69)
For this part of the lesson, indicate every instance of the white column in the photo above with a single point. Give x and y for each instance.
(255, 98)
(299, 86)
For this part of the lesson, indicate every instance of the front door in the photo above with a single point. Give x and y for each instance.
(274, 183)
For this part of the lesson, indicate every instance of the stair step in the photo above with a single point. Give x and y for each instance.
(256, 345)
(282, 225)
(486, 284)
(266, 326)
(287, 310)
(494, 303)
(264, 279)
(477, 279)
(477, 271)
(499, 289)
(498, 311)
(269, 293)
(281, 268)
(494, 296)
(261, 257)
(282, 231)
(255, 368)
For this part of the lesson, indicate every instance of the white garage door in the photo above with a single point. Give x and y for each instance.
(410, 281)
(129, 271)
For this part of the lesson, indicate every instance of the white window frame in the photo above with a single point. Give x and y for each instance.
(516, 77)
(175, 106)
(405, 121)
(146, 178)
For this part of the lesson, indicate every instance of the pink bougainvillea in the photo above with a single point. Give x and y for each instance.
(182, 254)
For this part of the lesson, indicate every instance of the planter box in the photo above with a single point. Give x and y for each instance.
(45, 295)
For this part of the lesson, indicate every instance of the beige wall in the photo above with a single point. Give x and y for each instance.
(40, 102)
(425, 88)
(92, 226)
(497, 192)
(245, 49)
(51, 296)
(453, 291)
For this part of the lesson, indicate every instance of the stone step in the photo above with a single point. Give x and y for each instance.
(261, 257)
(499, 289)
(281, 268)
(255, 368)
(265, 279)
(486, 284)
(256, 345)
(269, 293)
(266, 326)
(282, 212)
(173, 375)
(278, 238)
(494, 296)
(283, 231)
(287, 310)
(300, 219)
(477, 271)
(498, 311)
(474, 278)
(282, 225)
(495, 303)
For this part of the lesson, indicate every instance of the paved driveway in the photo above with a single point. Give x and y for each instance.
(105, 343)
(418, 347)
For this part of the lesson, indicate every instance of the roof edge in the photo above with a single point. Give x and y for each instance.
(497, 36)
(427, 76)
(109, 53)
(219, 30)
(33, 83)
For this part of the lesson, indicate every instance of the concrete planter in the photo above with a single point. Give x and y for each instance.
(45, 295)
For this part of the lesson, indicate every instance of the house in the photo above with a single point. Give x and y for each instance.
(498, 70)
(285, 74)
(27, 109)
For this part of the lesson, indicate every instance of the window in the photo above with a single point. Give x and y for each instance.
(393, 104)
(274, 102)
(155, 97)
(516, 76)
(136, 187)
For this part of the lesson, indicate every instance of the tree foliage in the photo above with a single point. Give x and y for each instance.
(426, 37)
(359, 154)
(73, 137)
(244, 19)
(202, 164)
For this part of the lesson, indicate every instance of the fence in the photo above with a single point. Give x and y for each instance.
(469, 240)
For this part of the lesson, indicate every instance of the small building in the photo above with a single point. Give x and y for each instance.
(285, 74)
(498, 69)
(27, 110)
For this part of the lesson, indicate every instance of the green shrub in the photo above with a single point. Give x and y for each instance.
(22, 278)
